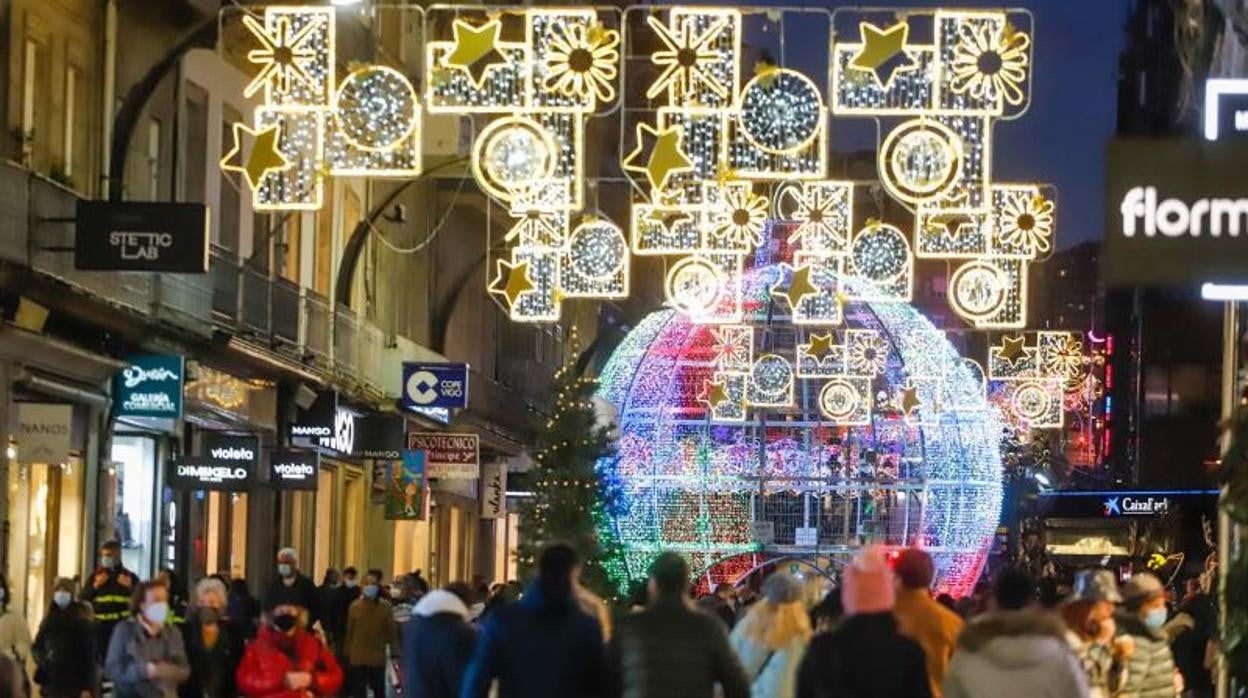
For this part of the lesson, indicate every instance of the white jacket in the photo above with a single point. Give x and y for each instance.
(1019, 654)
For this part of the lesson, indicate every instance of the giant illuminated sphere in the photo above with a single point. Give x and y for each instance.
(732, 495)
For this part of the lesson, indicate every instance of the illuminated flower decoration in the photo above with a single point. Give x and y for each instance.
(817, 217)
(1063, 355)
(286, 55)
(867, 355)
(684, 58)
(990, 63)
(742, 216)
(583, 61)
(1027, 222)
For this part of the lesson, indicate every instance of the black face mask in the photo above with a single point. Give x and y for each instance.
(209, 615)
(284, 623)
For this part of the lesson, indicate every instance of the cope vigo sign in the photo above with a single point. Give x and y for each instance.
(1177, 213)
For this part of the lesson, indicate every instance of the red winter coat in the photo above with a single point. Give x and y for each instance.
(272, 655)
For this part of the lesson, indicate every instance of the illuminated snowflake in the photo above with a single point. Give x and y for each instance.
(990, 61)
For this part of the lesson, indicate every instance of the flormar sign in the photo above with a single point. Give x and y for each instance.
(1177, 213)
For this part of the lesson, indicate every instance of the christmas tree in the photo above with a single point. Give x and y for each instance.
(569, 500)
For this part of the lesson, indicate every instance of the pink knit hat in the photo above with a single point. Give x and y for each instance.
(867, 583)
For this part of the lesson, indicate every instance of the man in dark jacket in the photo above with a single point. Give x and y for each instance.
(291, 587)
(865, 656)
(671, 649)
(334, 615)
(109, 591)
(437, 643)
(544, 645)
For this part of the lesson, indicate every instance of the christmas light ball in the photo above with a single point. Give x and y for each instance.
(376, 108)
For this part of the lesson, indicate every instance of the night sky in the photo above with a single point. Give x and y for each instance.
(1063, 136)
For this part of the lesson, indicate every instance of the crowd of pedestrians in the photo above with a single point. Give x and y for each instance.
(880, 633)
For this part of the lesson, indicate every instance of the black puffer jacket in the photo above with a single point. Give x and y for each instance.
(671, 650)
(865, 657)
(65, 652)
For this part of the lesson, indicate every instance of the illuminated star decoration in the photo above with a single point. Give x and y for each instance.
(283, 51)
(682, 59)
(883, 52)
(714, 393)
(1012, 349)
(512, 281)
(665, 154)
(950, 224)
(909, 400)
(263, 158)
(800, 286)
(476, 50)
(667, 218)
(820, 347)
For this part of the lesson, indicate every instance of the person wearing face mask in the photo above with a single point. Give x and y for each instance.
(146, 657)
(109, 591)
(64, 648)
(1089, 617)
(286, 660)
(370, 630)
(214, 643)
(292, 587)
(335, 619)
(1150, 664)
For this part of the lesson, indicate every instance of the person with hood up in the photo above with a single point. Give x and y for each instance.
(922, 618)
(1016, 649)
(1150, 664)
(286, 660)
(1089, 617)
(671, 649)
(865, 656)
(544, 645)
(437, 643)
(772, 637)
(64, 648)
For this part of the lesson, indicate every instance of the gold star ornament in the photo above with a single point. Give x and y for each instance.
(909, 400)
(1012, 349)
(714, 393)
(659, 154)
(512, 281)
(475, 50)
(883, 52)
(820, 346)
(800, 286)
(263, 158)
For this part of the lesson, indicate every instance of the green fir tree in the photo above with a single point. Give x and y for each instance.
(570, 502)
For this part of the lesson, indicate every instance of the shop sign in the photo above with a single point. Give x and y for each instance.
(151, 386)
(294, 470)
(450, 456)
(43, 432)
(435, 385)
(152, 236)
(199, 473)
(379, 436)
(1177, 213)
(326, 424)
(405, 487)
(232, 449)
(1111, 504)
(494, 490)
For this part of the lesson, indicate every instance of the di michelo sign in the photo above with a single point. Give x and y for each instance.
(1177, 213)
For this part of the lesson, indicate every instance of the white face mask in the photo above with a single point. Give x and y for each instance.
(156, 613)
(62, 599)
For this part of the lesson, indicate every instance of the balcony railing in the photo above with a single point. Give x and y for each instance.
(36, 230)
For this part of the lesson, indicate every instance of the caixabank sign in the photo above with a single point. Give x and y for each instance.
(1177, 213)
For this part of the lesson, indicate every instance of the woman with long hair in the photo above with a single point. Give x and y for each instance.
(772, 638)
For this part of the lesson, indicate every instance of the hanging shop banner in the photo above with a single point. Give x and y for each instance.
(405, 487)
(294, 470)
(326, 424)
(151, 386)
(451, 456)
(1177, 213)
(153, 236)
(435, 385)
(231, 449)
(43, 432)
(493, 490)
(379, 436)
(199, 473)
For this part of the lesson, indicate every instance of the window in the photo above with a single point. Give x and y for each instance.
(323, 250)
(1179, 389)
(30, 64)
(351, 216)
(133, 486)
(353, 503)
(71, 117)
(194, 178)
(290, 242)
(153, 159)
(228, 218)
(322, 556)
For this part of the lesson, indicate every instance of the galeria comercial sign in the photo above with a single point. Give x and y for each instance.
(1177, 213)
